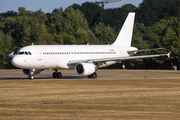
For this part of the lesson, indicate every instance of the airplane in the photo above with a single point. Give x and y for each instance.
(85, 59)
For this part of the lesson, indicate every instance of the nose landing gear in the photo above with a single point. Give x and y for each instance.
(31, 75)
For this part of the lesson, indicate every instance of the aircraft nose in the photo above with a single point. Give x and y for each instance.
(16, 61)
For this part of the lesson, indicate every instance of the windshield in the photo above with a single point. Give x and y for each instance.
(17, 52)
(23, 53)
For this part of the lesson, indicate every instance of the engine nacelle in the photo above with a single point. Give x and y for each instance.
(85, 68)
(27, 71)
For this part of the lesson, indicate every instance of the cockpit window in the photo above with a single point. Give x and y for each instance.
(26, 53)
(17, 52)
(23, 53)
(29, 53)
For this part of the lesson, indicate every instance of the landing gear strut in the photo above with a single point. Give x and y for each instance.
(57, 74)
(31, 75)
(94, 75)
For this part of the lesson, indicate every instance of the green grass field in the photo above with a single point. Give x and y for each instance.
(90, 99)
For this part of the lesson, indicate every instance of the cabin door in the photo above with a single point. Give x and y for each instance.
(39, 53)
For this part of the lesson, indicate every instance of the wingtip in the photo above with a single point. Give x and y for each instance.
(169, 54)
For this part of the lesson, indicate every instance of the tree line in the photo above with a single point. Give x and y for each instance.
(157, 25)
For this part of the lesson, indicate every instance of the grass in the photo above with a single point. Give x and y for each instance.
(90, 99)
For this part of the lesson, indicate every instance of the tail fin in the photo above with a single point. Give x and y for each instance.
(125, 36)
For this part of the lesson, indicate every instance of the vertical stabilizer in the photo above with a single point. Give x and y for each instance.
(125, 35)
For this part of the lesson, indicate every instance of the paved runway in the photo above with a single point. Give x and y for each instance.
(102, 74)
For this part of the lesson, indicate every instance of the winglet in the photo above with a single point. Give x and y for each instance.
(169, 54)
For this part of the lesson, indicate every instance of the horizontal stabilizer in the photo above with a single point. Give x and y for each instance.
(12, 54)
(145, 50)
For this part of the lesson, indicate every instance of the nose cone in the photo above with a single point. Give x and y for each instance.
(16, 61)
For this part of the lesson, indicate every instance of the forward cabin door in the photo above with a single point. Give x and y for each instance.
(39, 53)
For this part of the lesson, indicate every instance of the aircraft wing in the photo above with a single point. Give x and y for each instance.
(116, 58)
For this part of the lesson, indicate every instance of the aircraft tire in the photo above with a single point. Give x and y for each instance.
(89, 76)
(31, 77)
(54, 75)
(94, 75)
(59, 75)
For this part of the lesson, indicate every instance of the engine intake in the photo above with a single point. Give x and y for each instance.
(85, 68)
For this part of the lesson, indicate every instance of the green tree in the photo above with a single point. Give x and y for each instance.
(92, 38)
(22, 11)
(115, 17)
(69, 27)
(166, 34)
(56, 22)
(139, 41)
(74, 19)
(20, 27)
(9, 14)
(82, 36)
(150, 11)
(93, 13)
(105, 34)
(6, 47)
(37, 34)
(129, 7)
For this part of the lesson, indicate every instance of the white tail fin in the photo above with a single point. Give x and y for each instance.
(125, 35)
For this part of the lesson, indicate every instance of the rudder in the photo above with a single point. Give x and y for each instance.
(125, 35)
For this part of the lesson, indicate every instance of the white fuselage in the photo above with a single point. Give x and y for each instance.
(85, 59)
(58, 56)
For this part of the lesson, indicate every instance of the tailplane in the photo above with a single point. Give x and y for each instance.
(125, 35)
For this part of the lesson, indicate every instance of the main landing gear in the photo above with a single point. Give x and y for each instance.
(57, 74)
(94, 75)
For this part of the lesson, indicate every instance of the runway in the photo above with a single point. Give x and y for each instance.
(8, 74)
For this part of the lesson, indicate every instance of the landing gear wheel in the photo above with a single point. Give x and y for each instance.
(94, 75)
(31, 74)
(89, 76)
(59, 75)
(54, 75)
(31, 77)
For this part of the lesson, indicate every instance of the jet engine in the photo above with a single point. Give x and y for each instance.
(27, 71)
(85, 68)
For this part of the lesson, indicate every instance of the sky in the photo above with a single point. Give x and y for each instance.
(47, 6)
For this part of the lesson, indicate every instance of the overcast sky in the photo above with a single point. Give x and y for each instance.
(49, 5)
